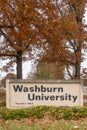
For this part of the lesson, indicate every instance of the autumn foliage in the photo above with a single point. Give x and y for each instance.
(55, 27)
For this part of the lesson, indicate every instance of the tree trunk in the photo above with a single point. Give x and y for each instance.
(19, 64)
(77, 70)
(78, 63)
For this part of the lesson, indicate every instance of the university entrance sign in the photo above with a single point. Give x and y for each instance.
(25, 93)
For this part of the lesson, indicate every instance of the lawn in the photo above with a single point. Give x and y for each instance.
(43, 124)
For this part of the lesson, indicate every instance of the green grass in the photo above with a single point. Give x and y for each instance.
(43, 126)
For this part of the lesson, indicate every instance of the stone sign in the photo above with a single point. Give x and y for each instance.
(25, 93)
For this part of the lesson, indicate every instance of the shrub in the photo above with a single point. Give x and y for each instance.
(41, 111)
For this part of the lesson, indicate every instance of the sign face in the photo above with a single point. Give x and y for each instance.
(25, 93)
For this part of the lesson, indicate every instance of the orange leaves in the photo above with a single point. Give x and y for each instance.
(26, 24)
(70, 27)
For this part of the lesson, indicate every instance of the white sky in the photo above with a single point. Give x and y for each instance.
(27, 66)
(85, 62)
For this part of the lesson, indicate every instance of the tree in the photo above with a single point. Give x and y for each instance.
(47, 71)
(65, 36)
(72, 33)
(48, 67)
(16, 28)
(26, 25)
(73, 28)
(21, 22)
